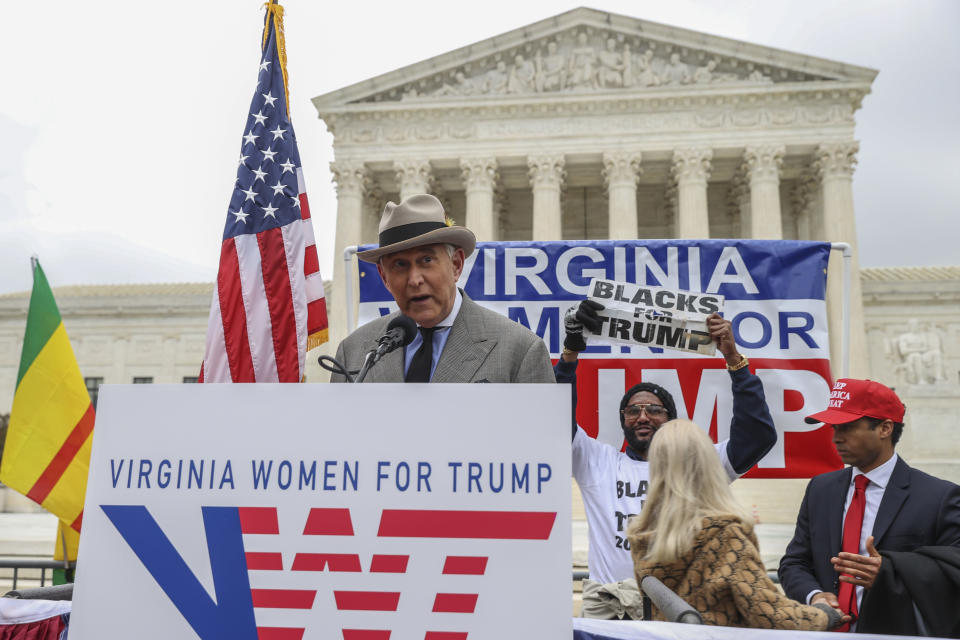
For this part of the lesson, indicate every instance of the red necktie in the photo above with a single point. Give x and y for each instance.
(851, 544)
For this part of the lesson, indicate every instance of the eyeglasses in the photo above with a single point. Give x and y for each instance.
(653, 411)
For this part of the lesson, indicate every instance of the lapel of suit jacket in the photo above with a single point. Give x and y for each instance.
(893, 498)
(466, 347)
(835, 509)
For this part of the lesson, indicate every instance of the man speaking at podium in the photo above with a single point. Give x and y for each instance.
(420, 259)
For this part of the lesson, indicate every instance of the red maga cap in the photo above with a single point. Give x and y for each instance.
(853, 399)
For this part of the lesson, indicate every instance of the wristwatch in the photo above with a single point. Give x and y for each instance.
(740, 365)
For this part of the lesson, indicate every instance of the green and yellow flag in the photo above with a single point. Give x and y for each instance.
(47, 451)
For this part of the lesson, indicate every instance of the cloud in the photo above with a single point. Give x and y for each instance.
(90, 258)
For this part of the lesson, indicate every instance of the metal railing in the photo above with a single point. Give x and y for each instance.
(583, 574)
(21, 564)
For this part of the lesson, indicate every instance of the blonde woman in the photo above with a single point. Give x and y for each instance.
(694, 537)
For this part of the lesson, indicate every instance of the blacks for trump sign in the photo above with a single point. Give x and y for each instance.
(361, 512)
(653, 316)
(772, 291)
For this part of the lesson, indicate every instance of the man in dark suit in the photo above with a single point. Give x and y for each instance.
(902, 508)
(420, 259)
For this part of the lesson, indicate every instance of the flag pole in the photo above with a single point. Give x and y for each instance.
(63, 545)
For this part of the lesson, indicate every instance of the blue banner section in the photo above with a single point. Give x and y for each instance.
(736, 269)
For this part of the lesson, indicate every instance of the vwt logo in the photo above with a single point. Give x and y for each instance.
(230, 613)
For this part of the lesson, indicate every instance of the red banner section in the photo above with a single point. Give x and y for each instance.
(701, 389)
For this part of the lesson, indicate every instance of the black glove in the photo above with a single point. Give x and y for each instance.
(576, 318)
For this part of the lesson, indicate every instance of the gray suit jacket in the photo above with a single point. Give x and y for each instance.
(483, 346)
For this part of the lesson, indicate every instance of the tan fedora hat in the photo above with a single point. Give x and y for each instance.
(419, 220)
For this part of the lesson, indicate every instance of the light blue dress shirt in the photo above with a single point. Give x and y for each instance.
(439, 338)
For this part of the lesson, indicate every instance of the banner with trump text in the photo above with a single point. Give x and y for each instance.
(773, 293)
(358, 512)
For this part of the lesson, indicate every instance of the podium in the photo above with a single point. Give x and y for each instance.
(361, 512)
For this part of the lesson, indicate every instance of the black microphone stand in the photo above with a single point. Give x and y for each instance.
(400, 332)
(373, 357)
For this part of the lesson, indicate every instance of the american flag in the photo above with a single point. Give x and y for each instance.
(268, 306)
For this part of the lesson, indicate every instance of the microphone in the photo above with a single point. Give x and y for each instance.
(400, 332)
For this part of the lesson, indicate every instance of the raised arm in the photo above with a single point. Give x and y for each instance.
(565, 371)
(752, 433)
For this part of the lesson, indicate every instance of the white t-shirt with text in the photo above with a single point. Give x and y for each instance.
(614, 488)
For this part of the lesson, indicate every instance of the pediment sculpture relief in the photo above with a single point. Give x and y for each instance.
(580, 62)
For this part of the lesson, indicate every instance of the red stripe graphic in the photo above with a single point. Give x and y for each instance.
(365, 634)
(259, 520)
(283, 598)
(499, 525)
(233, 314)
(62, 459)
(455, 603)
(328, 522)
(75, 525)
(445, 635)
(389, 564)
(264, 561)
(279, 633)
(283, 324)
(320, 561)
(465, 565)
(367, 600)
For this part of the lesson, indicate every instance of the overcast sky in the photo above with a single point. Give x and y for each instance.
(121, 121)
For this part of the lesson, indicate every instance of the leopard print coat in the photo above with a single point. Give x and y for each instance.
(724, 579)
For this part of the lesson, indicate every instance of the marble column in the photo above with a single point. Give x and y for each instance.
(738, 205)
(762, 167)
(413, 176)
(835, 164)
(621, 172)
(691, 170)
(352, 180)
(372, 209)
(480, 177)
(805, 199)
(546, 177)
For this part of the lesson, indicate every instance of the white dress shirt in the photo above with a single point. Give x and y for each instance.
(873, 494)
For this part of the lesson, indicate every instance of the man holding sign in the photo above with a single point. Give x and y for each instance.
(614, 483)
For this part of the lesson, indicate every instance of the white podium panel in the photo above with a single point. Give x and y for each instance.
(362, 512)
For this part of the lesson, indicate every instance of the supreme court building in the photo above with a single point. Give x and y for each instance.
(588, 125)
(592, 125)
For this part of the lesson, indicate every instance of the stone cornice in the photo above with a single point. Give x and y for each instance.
(910, 274)
(668, 38)
(656, 99)
(647, 123)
